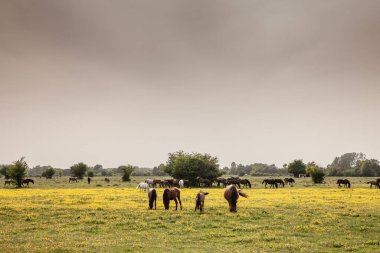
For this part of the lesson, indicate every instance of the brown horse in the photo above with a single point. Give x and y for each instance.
(172, 194)
(234, 182)
(27, 181)
(152, 196)
(289, 181)
(375, 183)
(206, 182)
(200, 201)
(73, 179)
(222, 181)
(231, 194)
(9, 182)
(106, 180)
(245, 182)
(271, 182)
(344, 182)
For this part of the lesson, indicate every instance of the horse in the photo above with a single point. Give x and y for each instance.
(345, 182)
(200, 201)
(245, 182)
(172, 194)
(206, 182)
(272, 183)
(27, 181)
(280, 182)
(156, 182)
(181, 183)
(152, 196)
(289, 181)
(222, 181)
(234, 181)
(106, 180)
(143, 186)
(149, 181)
(9, 182)
(73, 179)
(231, 194)
(375, 183)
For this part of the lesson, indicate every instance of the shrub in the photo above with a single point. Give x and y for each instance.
(17, 171)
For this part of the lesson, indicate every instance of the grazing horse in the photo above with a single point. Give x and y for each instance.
(200, 201)
(272, 183)
(245, 182)
(206, 182)
(280, 182)
(27, 181)
(152, 196)
(222, 181)
(375, 183)
(149, 181)
(345, 182)
(143, 186)
(231, 194)
(234, 182)
(106, 180)
(172, 194)
(181, 183)
(9, 182)
(289, 181)
(73, 179)
(156, 182)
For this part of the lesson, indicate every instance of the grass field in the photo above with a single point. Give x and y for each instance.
(54, 216)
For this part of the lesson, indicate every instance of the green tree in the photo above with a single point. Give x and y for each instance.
(78, 170)
(49, 173)
(90, 173)
(17, 171)
(127, 171)
(297, 167)
(317, 173)
(4, 171)
(369, 168)
(159, 170)
(190, 166)
(345, 163)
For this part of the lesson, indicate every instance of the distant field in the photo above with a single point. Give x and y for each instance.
(55, 216)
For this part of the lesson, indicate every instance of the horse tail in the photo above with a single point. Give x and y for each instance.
(249, 183)
(243, 194)
(166, 198)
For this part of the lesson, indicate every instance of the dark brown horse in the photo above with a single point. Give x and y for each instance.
(375, 183)
(234, 182)
(152, 196)
(106, 180)
(206, 182)
(200, 201)
(9, 182)
(271, 182)
(222, 181)
(172, 194)
(344, 182)
(231, 194)
(280, 182)
(289, 181)
(27, 181)
(245, 182)
(73, 179)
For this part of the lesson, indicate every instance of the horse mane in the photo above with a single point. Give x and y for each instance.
(166, 198)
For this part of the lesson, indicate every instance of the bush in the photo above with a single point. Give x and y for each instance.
(318, 176)
(17, 171)
(90, 173)
(127, 171)
(49, 173)
(78, 170)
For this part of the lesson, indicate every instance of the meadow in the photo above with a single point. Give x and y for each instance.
(55, 216)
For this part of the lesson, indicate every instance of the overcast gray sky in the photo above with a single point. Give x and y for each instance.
(115, 82)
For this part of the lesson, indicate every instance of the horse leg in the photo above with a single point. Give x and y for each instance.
(176, 204)
(180, 203)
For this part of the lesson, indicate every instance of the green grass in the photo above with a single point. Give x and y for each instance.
(54, 216)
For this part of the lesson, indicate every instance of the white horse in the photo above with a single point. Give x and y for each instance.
(149, 181)
(181, 184)
(143, 186)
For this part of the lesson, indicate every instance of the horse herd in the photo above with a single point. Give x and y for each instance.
(231, 194)
(347, 184)
(24, 182)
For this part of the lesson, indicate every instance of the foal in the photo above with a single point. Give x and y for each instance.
(200, 201)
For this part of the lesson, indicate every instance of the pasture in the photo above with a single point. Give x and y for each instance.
(55, 216)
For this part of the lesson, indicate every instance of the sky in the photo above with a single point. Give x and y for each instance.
(126, 82)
